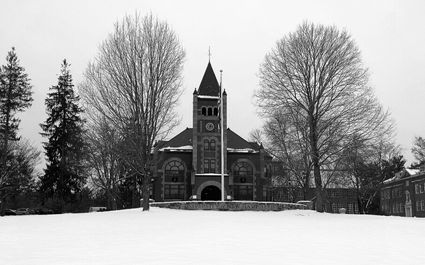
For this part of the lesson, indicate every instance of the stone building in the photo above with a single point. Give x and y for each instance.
(188, 165)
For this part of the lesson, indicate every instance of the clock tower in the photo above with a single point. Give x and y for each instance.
(206, 139)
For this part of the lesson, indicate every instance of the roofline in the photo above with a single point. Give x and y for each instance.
(421, 174)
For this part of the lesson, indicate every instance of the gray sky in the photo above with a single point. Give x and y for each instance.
(390, 34)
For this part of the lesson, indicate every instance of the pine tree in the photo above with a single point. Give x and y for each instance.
(64, 174)
(15, 96)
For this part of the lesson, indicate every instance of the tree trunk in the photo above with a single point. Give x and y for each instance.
(316, 163)
(145, 191)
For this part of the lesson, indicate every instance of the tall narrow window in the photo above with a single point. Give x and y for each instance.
(215, 111)
(212, 145)
(204, 111)
(206, 144)
(206, 166)
(212, 166)
(209, 111)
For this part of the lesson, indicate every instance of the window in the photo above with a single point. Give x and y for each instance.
(242, 192)
(209, 165)
(421, 188)
(204, 111)
(174, 191)
(174, 171)
(416, 189)
(206, 144)
(209, 111)
(334, 208)
(174, 168)
(215, 111)
(212, 145)
(242, 169)
(212, 165)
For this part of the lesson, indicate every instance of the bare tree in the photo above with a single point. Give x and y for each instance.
(135, 83)
(103, 159)
(316, 77)
(418, 151)
(288, 143)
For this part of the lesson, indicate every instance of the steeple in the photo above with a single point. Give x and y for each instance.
(209, 85)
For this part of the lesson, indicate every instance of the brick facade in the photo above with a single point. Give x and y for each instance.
(189, 164)
(404, 195)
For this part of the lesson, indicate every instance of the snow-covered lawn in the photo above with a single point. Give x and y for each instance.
(163, 236)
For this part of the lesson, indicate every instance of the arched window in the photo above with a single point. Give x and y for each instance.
(204, 111)
(242, 169)
(212, 145)
(174, 188)
(209, 111)
(206, 144)
(215, 111)
(174, 168)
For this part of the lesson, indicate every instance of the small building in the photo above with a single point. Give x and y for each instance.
(404, 194)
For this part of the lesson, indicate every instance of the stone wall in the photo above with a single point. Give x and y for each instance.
(230, 205)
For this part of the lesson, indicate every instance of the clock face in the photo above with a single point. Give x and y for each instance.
(209, 126)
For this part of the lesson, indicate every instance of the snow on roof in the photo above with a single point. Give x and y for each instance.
(176, 149)
(208, 97)
(407, 172)
(412, 171)
(241, 150)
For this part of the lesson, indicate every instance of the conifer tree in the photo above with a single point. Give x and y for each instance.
(15, 96)
(64, 176)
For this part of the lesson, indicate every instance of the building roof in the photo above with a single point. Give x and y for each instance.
(183, 140)
(402, 175)
(209, 85)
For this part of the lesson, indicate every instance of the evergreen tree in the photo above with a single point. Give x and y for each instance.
(64, 175)
(15, 96)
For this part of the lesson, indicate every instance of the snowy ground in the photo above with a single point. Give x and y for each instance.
(164, 236)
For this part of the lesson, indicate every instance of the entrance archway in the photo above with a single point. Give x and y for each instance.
(211, 193)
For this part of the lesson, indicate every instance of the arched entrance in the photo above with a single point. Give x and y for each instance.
(211, 193)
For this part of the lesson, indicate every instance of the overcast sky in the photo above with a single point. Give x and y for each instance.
(390, 35)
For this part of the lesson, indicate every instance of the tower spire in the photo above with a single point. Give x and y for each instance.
(209, 53)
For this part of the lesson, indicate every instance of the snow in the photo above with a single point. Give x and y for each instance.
(241, 150)
(164, 236)
(178, 148)
(412, 171)
(208, 97)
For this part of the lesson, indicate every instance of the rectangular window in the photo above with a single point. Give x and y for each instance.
(206, 166)
(212, 165)
(174, 191)
(418, 205)
(421, 188)
(350, 208)
(242, 192)
(416, 189)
